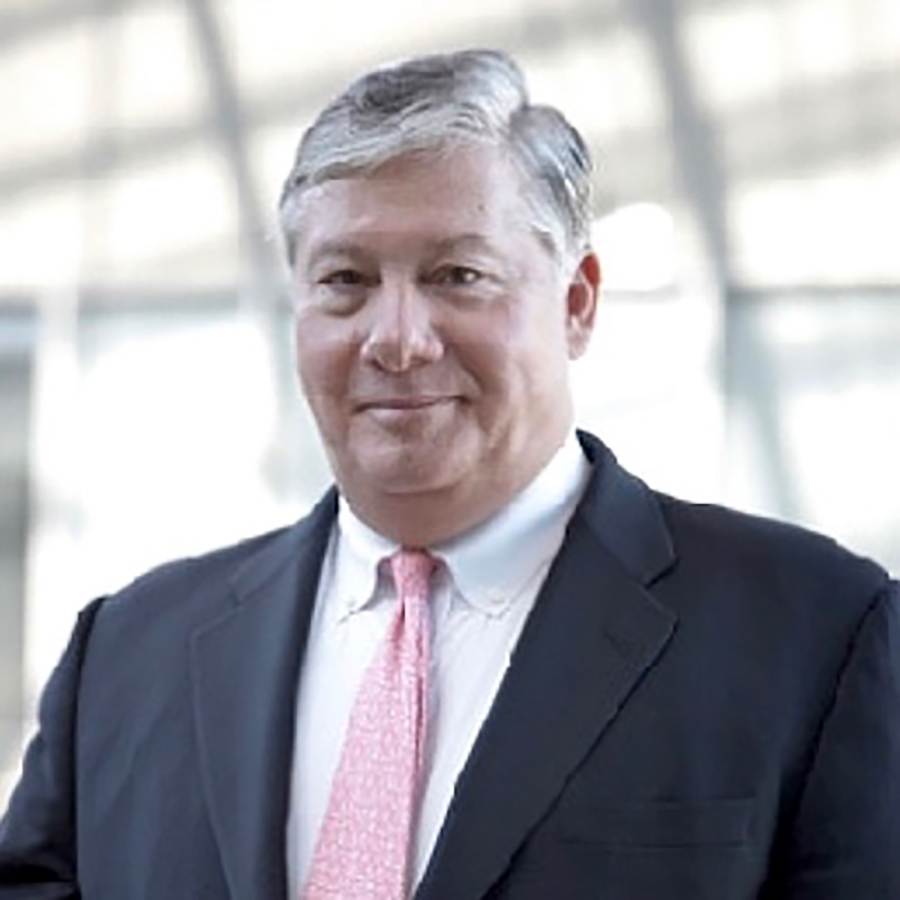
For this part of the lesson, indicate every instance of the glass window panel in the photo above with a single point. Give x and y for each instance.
(603, 83)
(163, 212)
(821, 38)
(823, 368)
(41, 236)
(160, 75)
(840, 226)
(45, 93)
(273, 44)
(735, 52)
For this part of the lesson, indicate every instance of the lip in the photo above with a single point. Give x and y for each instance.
(404, 404)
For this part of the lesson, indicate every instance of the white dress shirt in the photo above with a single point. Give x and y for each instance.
(481, 597)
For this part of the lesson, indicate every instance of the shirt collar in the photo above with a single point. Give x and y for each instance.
(490, 564)
(359, 552)
(493, 562)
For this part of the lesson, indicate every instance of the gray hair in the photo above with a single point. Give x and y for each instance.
(433, 102)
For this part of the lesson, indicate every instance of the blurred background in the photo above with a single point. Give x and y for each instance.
(747, 213)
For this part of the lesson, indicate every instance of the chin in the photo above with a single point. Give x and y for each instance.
(410, 479)
(412, 470)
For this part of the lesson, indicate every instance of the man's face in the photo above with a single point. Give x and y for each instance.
(434, 329)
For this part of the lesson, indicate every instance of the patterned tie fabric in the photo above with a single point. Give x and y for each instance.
(363, 849)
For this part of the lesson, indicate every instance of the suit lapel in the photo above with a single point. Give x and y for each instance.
(593, 634)
(245, 670)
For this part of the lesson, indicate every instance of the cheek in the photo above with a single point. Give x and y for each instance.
(486, 358)
(515, 352)
(536, 371)
(324, 362)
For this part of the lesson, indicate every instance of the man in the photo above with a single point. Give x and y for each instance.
(491, 663)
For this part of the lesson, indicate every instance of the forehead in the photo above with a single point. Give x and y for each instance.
(471, 190)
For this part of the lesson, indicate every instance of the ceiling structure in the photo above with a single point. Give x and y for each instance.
(143, 141)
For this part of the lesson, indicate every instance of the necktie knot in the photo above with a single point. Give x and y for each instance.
(412, 571)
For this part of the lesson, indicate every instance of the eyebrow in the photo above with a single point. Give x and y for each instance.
(462, 241)
(351, 248)
(335, 248)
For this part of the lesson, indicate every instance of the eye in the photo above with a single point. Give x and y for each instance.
(343, 278)
(456, 275)
(342, 290)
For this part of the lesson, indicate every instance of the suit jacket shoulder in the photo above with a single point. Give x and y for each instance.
(198, 586)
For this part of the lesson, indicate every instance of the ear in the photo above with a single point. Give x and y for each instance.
(582, 298)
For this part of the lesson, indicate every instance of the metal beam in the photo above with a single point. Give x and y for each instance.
(693, 138)
(232, 129)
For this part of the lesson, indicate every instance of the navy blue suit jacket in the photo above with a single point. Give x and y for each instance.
(702, 706)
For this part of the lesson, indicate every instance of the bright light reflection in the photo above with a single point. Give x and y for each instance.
(824, 429)
(147, 91)
(160, 443)
(735, 51)
(646, 386)
(822, 39)
(45, 92)
(159, 210)
(602, 84)
(179, 426)
(636, 245)
(839, 227)
(41, 237)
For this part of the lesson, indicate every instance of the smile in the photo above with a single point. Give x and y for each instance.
(404, 404)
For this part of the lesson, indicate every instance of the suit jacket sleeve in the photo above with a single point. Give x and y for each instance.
(37, 833)
(845, 839)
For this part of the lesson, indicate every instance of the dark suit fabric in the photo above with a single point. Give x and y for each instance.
(702, 706)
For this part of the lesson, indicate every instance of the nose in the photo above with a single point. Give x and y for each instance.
(401, 330)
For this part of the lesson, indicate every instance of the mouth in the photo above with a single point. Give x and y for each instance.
(404, 404)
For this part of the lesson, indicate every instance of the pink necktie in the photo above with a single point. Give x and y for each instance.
(363, 849)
